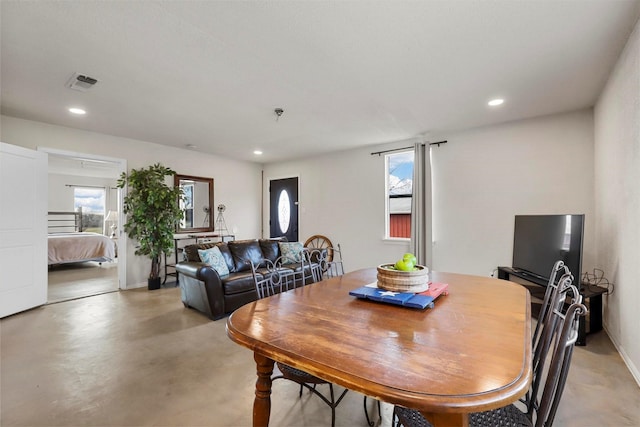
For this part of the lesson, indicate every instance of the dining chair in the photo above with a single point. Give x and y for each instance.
(558, 336)
(303, 269)
(279, 280)
(335, 267)
(555, 299)
(282, 274)
(328, 261)
(552, 285)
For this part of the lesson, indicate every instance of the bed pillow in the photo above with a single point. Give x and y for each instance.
(214, 258)
(291, 251)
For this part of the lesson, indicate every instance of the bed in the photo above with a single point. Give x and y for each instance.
(68, 243)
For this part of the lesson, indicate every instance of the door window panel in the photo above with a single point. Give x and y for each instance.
(284, 211)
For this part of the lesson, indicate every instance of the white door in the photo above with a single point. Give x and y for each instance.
(23, 229)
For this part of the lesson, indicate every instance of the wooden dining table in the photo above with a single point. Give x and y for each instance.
(470, 352)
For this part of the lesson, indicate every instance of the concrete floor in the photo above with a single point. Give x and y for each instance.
(139, 358)
(76, 280)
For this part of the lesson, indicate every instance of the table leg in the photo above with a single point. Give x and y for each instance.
(262, 402)
(438, 419)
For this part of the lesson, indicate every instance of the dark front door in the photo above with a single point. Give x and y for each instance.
(283, 208)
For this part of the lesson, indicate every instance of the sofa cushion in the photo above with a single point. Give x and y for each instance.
(214, 258)
(239, 282)
(291, 251)
(244, 251)
(270, 248)
(228, 257)
(191, 251)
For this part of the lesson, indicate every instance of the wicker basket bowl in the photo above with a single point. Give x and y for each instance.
(403, 281)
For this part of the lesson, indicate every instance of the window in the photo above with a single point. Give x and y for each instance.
(399, 177)
(284, 212)
(186, 204)
(91, 201)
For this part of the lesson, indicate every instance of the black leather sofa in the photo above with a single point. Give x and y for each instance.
(202, 288)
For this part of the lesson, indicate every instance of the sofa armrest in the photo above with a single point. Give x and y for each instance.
(210, 279)
(190, 268)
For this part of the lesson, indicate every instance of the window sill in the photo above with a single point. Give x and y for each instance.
(396, 240)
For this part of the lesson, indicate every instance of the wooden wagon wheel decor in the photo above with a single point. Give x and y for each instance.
(318, 241)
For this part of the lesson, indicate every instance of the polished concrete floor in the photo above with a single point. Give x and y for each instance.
(77, 280)
(139, 358)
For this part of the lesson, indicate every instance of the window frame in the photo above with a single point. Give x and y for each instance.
(387, 220)
(102, 190)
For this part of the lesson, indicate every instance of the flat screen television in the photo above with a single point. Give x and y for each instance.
(541, 240)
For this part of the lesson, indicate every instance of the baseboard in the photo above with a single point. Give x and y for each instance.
(135, 286)
(627, 361)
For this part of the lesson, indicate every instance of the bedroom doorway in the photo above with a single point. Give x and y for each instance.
(87, 185)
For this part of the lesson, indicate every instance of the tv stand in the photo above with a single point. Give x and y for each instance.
(591, 295)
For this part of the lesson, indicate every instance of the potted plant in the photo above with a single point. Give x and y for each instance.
(153, 210)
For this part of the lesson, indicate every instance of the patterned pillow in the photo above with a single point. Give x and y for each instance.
(291, 251)
(214, 258)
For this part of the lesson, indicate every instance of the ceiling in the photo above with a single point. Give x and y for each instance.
(63, 164)
(347, 74)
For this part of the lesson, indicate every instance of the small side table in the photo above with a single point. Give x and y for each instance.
(592, 322)
(591, 295)
(168, 272)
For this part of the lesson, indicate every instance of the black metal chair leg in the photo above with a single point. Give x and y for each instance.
(366, 412)
(333, 406)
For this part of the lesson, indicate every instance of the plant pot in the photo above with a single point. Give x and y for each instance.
(153, 283)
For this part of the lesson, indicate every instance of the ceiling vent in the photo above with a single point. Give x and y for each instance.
(81, 82)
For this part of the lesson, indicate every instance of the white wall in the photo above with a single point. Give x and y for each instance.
(61, 194)
(483, 177)
(617, 178)
(237, 184)
(342, 197)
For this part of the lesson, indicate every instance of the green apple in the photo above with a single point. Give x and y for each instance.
(403, 265)
(409, 257)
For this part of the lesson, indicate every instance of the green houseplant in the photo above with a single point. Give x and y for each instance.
(153, 210)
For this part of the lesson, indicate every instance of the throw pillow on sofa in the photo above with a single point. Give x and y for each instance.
(291, 252)
(214, 258)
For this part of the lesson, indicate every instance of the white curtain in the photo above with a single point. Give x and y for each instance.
(421, 205)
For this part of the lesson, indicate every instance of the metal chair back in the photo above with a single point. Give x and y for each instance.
(280, 276)
(557, 301)
(551, 288)
(328, 261)
(272, 278)
(562, 334)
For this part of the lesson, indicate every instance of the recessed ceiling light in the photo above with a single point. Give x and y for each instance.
(496, 102)
(257, 152)
(78, 111)
(191, 146)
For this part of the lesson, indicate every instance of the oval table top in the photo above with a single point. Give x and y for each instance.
(469, 353)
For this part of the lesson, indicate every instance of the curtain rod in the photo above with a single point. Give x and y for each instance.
(406, 148)
(91, 186)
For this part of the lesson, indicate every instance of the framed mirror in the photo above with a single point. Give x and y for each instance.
(197, 203)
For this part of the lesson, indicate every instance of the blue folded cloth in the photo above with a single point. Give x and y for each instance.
(405, 299)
